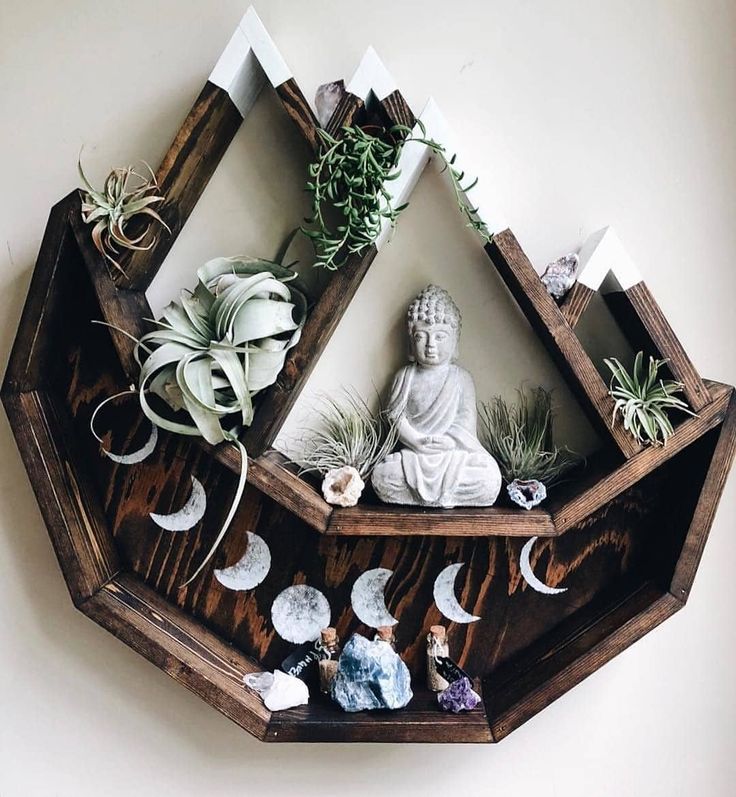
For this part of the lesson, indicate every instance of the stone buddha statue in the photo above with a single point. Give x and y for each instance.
(441, 462)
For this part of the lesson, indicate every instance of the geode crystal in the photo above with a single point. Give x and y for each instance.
(459, 696)
(559, 276)
(370, 675)
(527, 493)
(342, 486)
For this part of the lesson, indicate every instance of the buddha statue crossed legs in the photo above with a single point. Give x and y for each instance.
(441, 462)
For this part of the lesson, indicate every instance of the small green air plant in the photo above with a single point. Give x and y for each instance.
(214, 350)
(351, 200)
(643, 399)
(118, 205)
(348, 432)
(519, 436)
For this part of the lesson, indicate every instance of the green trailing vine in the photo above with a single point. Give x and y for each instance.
(350, 198)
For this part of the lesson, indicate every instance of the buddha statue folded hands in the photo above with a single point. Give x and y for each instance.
(441, 462)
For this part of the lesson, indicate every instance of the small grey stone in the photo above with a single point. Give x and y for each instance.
(326, 99)
(559, 276)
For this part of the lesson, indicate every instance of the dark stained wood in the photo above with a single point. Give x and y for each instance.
(402, 521)
(601, 485)
(420, 721)
(575, 302)
(715, 481)
(638, 313)
(275, 403)
(346, 114)
(37, 331)
(69, 503)
(181, 647)
(397, 110)
(299, 111)
(183, 175)
(586, 651)
(553, 330)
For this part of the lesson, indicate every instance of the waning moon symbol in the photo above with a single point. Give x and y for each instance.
(444, 595)
(299, 613)
(189, 515)
(528, 573)
(369, 603)
(136, 456)
(250, 569)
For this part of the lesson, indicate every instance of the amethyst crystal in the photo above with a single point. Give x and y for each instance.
(560, 275)
(527, 492)
(459, 696)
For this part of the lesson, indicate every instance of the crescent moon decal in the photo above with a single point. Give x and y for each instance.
(250, 569)
(299, 613)
(189, 515)
(528, 573)
(444, 595)
(368, 600)
(134, 456)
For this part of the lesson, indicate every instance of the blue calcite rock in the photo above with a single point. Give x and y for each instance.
(459, 696)
(527, 493)
(370, 675)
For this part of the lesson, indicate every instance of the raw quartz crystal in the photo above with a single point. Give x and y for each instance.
(527, 493)
(342, 486)
(370, 675)
(278, 690)
(459, 696)
(559, 276)
(326, 99)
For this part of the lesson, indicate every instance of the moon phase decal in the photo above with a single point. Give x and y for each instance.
(299, 613)
(250, 569)
(528, 573)
(136, 456)
(189, 515)
(444, 595)
(368, 600)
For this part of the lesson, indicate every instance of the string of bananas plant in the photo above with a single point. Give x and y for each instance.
(349, 184)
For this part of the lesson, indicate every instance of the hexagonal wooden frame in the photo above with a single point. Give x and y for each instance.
(118, 599)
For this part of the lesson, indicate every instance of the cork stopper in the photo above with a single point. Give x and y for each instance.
(385, 632)
(329, 636)
(439, 632)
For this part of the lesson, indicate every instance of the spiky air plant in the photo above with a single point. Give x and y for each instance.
(519, 436)
(126, 197)
(215, 349)
(643, 399)
(351, 199)
(348, 433)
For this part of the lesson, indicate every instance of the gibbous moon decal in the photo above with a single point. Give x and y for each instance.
(250, 569)
(368, 600)
(189, 515)
(444, 596)
(529, 577)
(299, 613)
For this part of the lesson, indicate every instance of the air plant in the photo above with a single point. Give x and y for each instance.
(643, 399)
(126, 196)
(348, 433)
(351, 200)
(519, 436)
(215, 349)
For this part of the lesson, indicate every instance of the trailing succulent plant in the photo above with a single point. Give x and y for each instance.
(519, 436)
(643, 399)
(348, 433)
(215, 349)
(126, 196)
(351, 200)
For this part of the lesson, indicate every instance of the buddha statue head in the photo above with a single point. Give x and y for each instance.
(434, 323)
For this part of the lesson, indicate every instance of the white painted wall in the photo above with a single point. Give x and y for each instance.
(586, 114)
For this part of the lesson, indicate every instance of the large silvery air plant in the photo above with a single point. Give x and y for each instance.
(216, 348)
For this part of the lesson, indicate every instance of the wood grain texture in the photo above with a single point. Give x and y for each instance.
(346, 113)
(702, 520)
(183, 175)
(420, 721)
(575, 302)
(397, 110)
(601, 485)
(299, 111)
(638, 311)
(181, 647)
(553, 330)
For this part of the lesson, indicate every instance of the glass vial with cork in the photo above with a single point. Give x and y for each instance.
(328, 662)
(437, 646)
